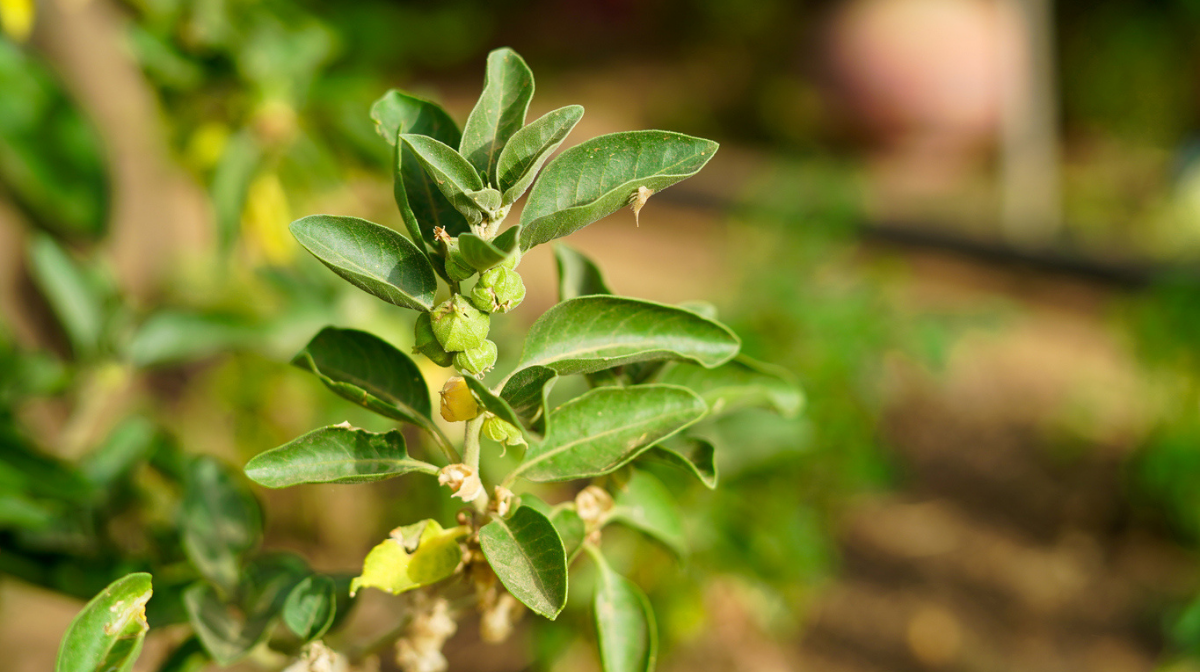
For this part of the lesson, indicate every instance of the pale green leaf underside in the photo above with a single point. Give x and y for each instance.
(690, 453)
(528, 556)
(626, 633)
(524, 153)
(108, 634)
(335, 455)
(600, 176)
(740, 383)
(499, 113)
(371, 257)
(593, 333)
(577, 274)
(644, 503)
(601, 430)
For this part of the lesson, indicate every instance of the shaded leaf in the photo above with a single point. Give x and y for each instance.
(221, 522)
(524, 153)
(310, 607)
(499, 113)
(592, 333)
(107, 635)
(335, 454)
(570, 528)
(190, 656)
(603, 429)
(369, 371)
(625, 630)
(225, 633)
(371, 257)
(740, 383)
(73, 296)
(577, 275)
(128, 445)
(528, 556)
(526, 391)
(432, 554)
(482, 254)
(600, 176)
(496, 405)
(644, 503)
(397, 112)
(691, 453)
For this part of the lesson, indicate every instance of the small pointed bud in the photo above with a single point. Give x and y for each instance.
(638, 200)
(458, 404)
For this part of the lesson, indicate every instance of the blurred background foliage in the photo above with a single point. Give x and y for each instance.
(152, 153)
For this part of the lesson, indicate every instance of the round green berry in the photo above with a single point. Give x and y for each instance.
(457, 325)
(499, 290)
(476, 360)
(426, 343)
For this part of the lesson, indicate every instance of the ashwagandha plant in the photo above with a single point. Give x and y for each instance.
(657, 374)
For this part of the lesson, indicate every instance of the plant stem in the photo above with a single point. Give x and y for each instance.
(471, 442)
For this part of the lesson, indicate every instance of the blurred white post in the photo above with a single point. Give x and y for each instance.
(1031, 204)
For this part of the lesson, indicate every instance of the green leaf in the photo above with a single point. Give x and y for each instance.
(422, 205)
(397, 112)
(107, 635)
(524, 153)
(415, 555)
(310, 607)
(528, 556)
(592, 333)
(600, 176)
(577, 275)
(601, 430)
(570, 528)
(335, 454)
(500, 112)
(171, 336)
(644, 503)
(72, 295)
(127, 446)
(221, 522)
(496, 405)
(367, 370)
(691, 453)
(229, 630)
(451, 174)
(482, 254)
(230, 185)
(625, 630)
(741, 383)
(226, 634)
(526, 391)
(371, 257)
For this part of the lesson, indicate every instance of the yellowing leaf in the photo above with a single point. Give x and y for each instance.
(392, 568)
